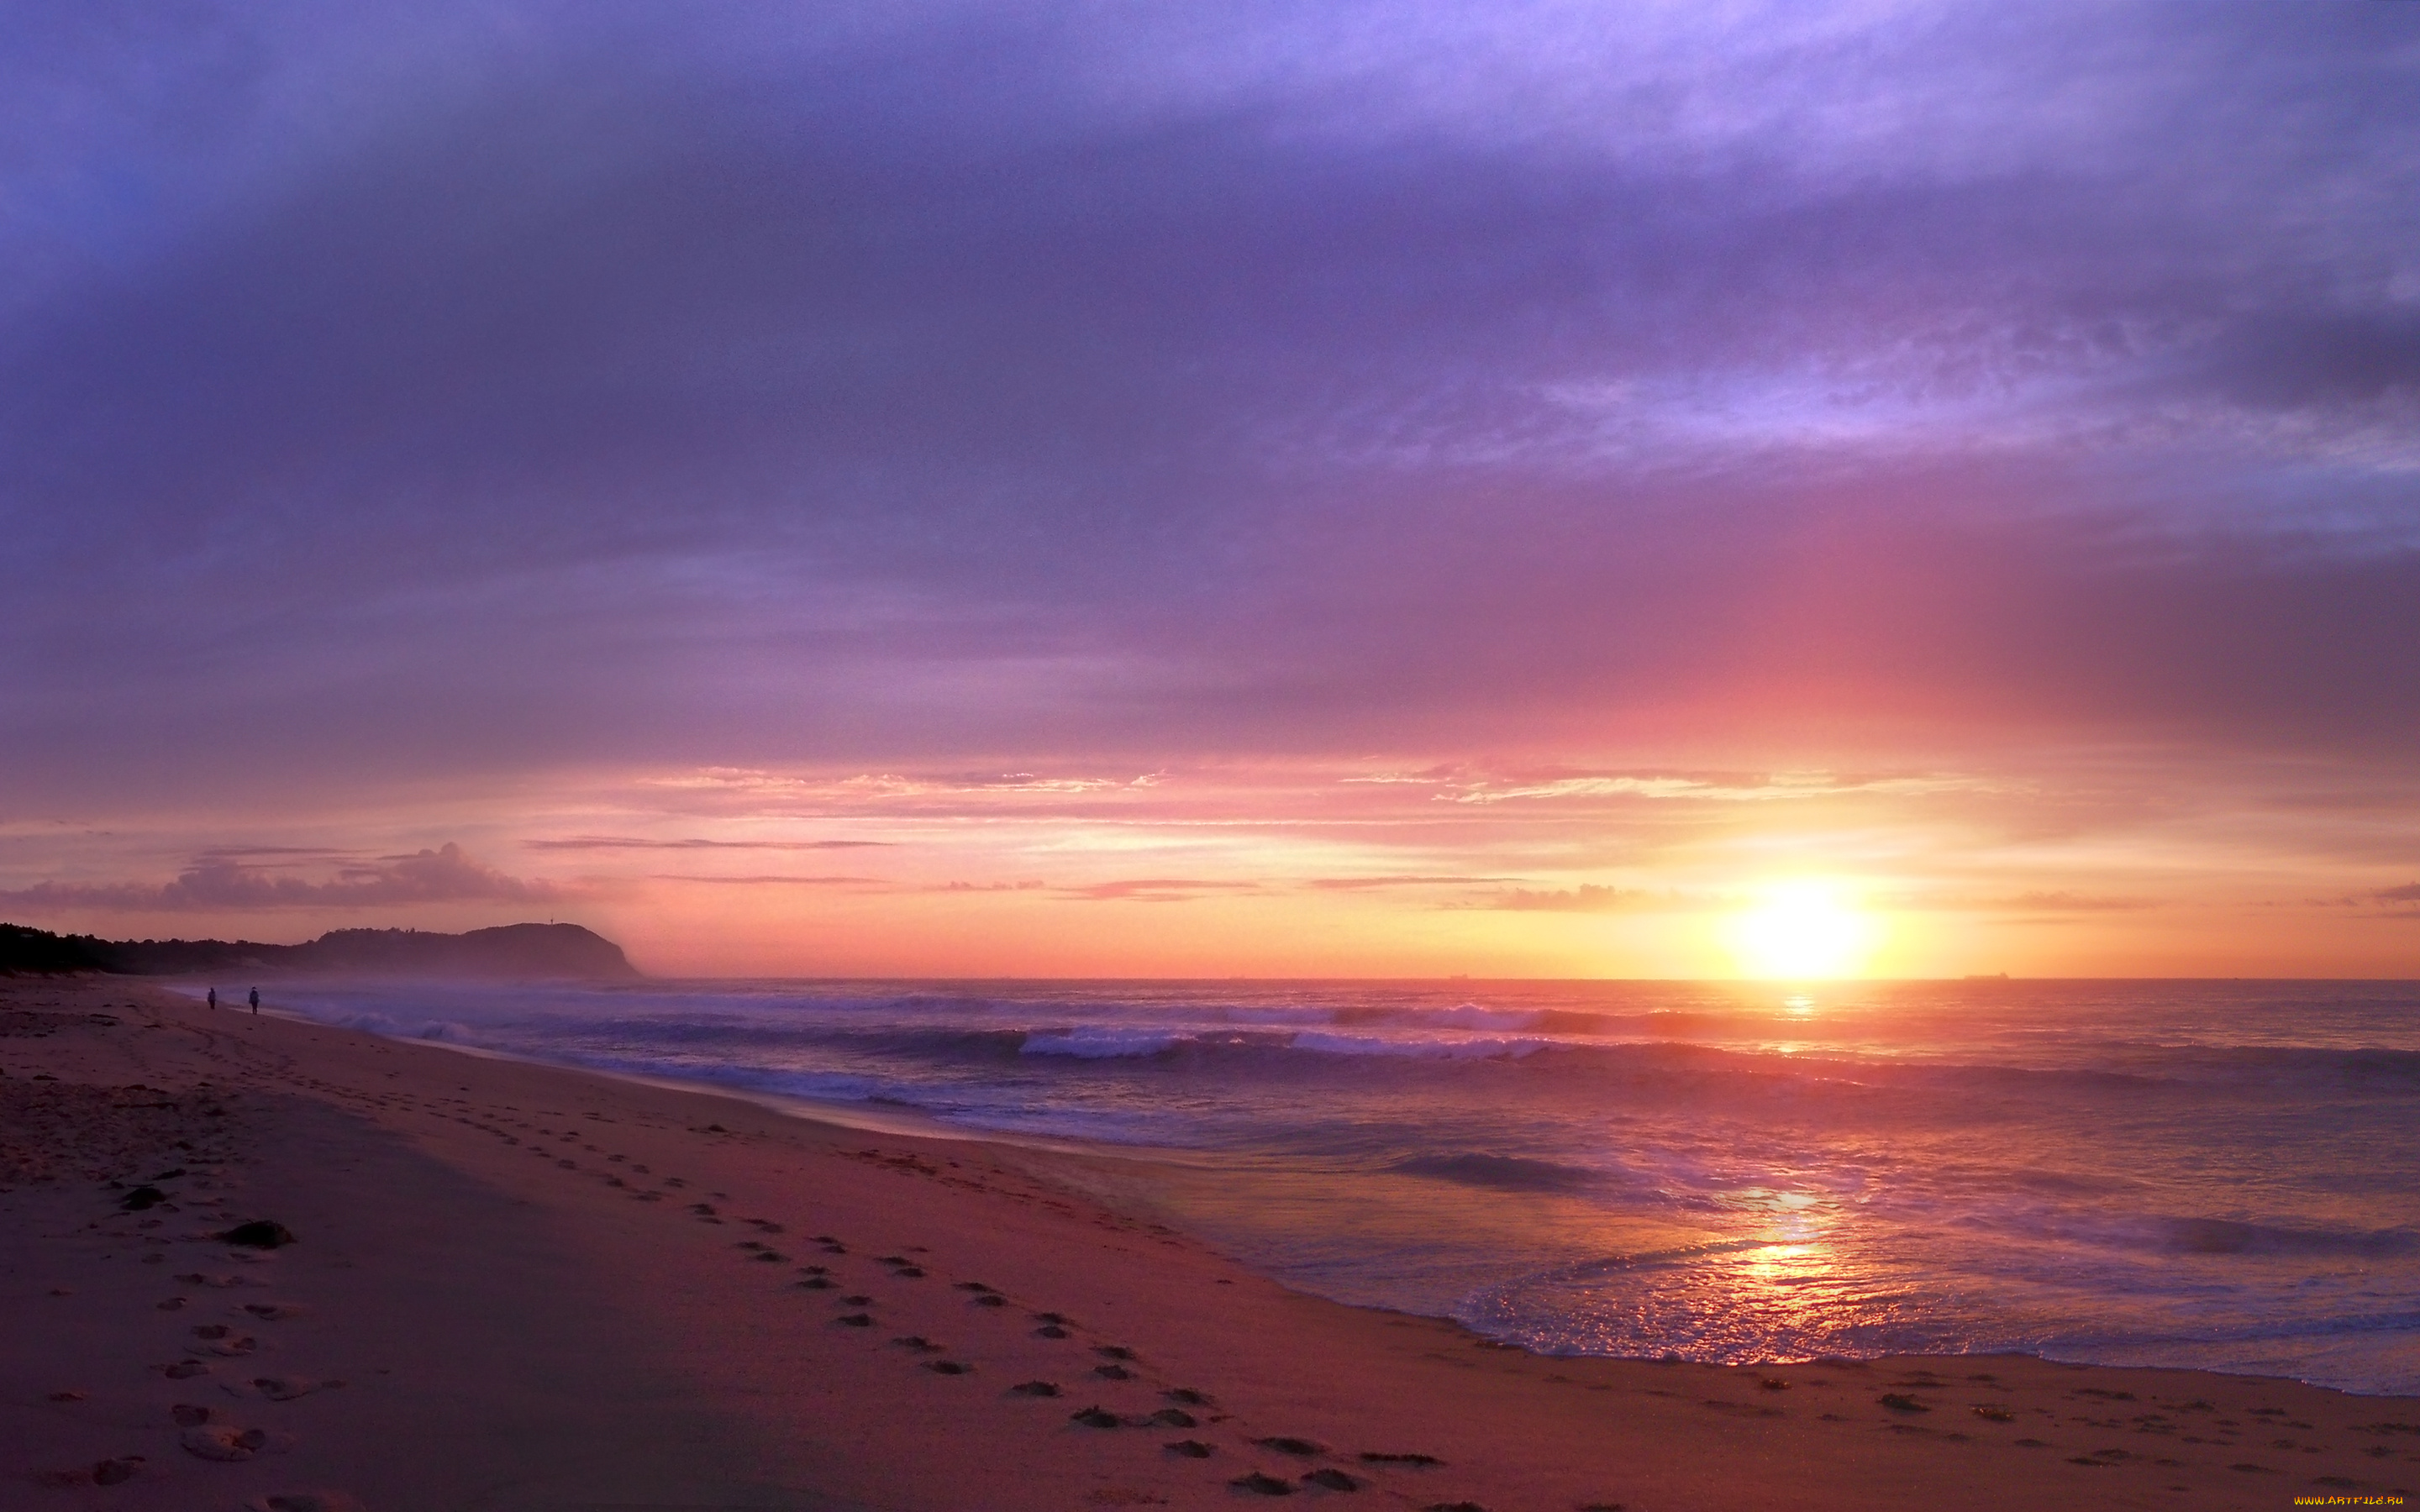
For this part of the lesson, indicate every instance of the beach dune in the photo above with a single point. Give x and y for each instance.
(514, 1286)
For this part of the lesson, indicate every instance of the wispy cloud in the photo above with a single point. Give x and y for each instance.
(770, 880)
(617, 842)
(1777, 788)
(1158, 889)
(1400, 880)
(1587, 898)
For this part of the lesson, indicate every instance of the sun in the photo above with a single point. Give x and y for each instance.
(1803, 931)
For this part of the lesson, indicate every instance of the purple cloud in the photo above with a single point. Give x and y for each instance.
(224, 882)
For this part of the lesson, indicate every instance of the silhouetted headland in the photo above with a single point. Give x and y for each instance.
(518, 951)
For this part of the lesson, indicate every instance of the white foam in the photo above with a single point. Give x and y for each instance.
(1492, 1048)
(1100, 1042)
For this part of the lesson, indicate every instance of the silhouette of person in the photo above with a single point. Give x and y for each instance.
(256, 1002)
(215, 999)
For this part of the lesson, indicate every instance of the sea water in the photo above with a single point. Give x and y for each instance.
(2218, 1175)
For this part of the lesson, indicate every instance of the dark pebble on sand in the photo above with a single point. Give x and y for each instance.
(1092, 1417)
(258, 1234)
(1331, 1480)
(1293, 1446)
(1035, 1388)
(1261, 1485)
(1191, 1449)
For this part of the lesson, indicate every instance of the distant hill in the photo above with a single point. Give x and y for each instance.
(522, 951)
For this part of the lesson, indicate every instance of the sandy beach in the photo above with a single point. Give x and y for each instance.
(514, 1286)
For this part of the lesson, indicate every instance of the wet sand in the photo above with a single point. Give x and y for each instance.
(519, 1288)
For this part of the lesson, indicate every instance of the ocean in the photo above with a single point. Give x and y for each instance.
(2208, 1173)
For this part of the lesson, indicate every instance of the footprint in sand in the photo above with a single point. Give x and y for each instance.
(1331, 1480)
(1191, 1449)
(1112, 1372)
(855, 1320)
(223, 1442)
(1305, 1447)
(286, 1388)
(1409, 1462)
(303, 1502)
(1035, 1388)
(1261, 1485)
(919, 1343)
(948, 1367)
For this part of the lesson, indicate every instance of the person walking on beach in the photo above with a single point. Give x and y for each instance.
(256, 1002)
(215, 999)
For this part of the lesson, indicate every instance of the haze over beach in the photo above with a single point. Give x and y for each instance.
(1727, 684)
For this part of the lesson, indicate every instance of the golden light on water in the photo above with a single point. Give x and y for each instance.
(1804, 930)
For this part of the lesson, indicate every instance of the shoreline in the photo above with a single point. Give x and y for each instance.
(1146, 1195)
(503, 1256)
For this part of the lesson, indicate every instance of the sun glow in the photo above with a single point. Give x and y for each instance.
(1804, 931)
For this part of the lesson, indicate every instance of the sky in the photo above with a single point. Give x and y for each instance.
(1295, 489)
